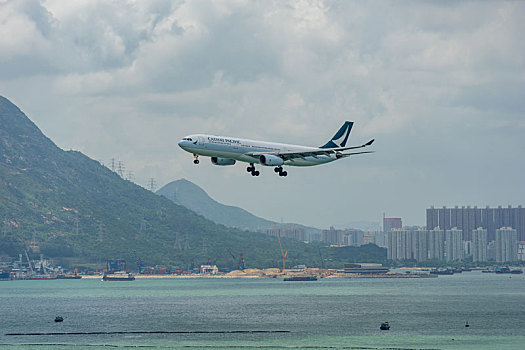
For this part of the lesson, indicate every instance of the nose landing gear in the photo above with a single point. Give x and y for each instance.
(196, 160)
(280, 170)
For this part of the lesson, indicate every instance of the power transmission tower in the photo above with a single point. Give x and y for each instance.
(120, 168)
(152, 184)
(113, 164)
(130, 176)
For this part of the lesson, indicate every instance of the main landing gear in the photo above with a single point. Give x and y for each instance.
(279, 169)
(251, 169)
(196, 160)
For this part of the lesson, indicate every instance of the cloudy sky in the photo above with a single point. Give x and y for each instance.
(440, 85)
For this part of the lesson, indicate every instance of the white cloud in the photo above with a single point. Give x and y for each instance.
(437, 83)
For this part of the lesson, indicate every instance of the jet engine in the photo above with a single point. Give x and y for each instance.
(222, 161)
(270, 160)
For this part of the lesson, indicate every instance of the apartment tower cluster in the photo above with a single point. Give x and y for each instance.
(452, 234)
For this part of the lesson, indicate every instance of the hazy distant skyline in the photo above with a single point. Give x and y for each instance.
(439, 85)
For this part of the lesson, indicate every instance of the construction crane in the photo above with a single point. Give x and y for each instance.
(140, 263)
(284, 253)
(29, 262)
(242, 264)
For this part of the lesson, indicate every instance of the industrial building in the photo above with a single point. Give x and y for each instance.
(365, 268)
(114, 265)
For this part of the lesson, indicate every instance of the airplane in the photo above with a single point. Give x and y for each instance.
(228, 150)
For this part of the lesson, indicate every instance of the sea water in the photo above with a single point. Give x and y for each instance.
(424, 313)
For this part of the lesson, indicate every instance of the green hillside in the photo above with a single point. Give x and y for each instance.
(71, 208)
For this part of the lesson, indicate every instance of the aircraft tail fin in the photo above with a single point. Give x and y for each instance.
(340, 138)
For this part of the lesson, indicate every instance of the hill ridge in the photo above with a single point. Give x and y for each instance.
(195, 198)
(75, 210)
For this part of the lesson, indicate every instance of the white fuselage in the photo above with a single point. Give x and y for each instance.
(243, 149)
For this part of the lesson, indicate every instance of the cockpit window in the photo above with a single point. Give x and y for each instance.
(187, 139)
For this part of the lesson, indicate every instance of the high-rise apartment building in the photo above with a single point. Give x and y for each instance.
(353, 237)
(479, 244)
(332, 236)
(436, 244)
(469, 218)
(521, 251)
(506, 244)
(399, 245)
(420, 245)
(391, 223)
(454, 244)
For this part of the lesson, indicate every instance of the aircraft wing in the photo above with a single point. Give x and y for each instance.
(343, 155)
(315, 152)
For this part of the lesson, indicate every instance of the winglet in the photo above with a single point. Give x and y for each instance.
(370, 142)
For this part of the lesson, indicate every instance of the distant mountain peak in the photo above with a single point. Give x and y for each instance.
(193, 197)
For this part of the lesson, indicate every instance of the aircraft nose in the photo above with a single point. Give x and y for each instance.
(181, 143)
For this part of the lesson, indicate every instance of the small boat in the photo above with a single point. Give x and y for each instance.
(68, 277)
(301, 278)
(42, 277)
(119, 276)
(501, 270)
(384, 326)
(467, 325)
(516, 271)
(442, 271)
(59, 319)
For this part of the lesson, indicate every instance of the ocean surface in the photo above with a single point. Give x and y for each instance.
(427, 313)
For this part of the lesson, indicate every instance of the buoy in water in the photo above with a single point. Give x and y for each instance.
(59, 319)
(467, 325)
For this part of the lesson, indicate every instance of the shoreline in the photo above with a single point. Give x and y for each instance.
(199, 276)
